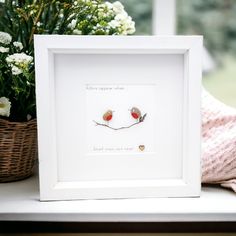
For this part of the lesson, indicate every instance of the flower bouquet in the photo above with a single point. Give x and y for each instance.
(19, 21)
(17, 111)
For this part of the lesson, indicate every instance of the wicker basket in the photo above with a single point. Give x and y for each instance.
(18, 149)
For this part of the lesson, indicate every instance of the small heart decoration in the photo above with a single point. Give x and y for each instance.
(141, 147)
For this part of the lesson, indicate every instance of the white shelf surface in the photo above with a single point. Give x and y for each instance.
(19, 201)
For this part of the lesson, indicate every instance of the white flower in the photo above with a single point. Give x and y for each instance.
(78, 32)
(5, 106)
(2, 1)
(16, 70)
(109, 5)
(118, 7)
(18, 45)
(72, 24)
(4, 50)
(121, 16)
(114, 24)
(19, 62)
(131, 27)
(19, 58)
(5, 38)
(124, 23)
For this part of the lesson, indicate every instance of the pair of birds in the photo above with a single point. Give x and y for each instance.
(135, 113)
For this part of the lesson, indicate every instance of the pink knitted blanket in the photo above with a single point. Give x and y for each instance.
(218, 142)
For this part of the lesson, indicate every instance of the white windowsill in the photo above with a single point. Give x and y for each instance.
(20, 201)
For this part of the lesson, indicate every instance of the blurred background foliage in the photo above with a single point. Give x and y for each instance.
(216, 21)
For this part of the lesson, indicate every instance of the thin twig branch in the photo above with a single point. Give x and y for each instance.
(122, 127)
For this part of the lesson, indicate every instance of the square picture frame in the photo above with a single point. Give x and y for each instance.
(118, 117)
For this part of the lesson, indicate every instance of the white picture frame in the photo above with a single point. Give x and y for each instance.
(163, 74)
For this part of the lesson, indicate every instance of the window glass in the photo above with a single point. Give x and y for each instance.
(216, 21)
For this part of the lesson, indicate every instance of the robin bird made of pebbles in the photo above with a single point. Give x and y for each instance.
(107, 116)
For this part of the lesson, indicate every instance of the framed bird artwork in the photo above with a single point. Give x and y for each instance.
(118, 117)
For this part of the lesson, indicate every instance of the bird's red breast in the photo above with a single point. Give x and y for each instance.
(135, 115)
(108, 118)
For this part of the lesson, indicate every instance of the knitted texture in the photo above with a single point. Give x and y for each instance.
(218, 142)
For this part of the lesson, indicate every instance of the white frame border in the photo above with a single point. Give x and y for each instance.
(50, 187)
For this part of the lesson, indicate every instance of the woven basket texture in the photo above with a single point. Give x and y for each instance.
(18, 149)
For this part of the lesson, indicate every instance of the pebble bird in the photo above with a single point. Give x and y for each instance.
(135, 113)
(108, 115)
